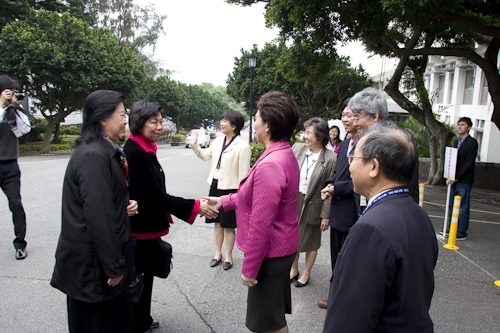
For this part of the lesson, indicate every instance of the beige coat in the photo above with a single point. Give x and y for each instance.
(235, 161)
(315, 209)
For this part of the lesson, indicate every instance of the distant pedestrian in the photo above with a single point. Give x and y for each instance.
(383, 279)
(266, 211)
(334, 140)
(464, 175)
(95, 255)
(10, 175)
(230, 156)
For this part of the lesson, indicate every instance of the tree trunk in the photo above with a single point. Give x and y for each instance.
(433, 159)
(57, 134)
(51, 123)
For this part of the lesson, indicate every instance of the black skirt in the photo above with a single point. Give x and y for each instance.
(270, 298)
(226, 219)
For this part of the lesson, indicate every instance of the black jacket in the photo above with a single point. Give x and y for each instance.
(96, 241)
(147, 186)
(466, 160)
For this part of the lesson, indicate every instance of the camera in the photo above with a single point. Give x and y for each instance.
(17, 94)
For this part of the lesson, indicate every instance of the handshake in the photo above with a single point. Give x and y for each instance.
(327, 192)
(209, 207)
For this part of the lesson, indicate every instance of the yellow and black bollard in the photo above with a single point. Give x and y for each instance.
(421, 194)
(452, 237)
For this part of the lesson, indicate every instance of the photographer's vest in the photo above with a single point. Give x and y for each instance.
(9, 144)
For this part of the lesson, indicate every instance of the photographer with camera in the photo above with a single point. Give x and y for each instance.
(10, 175)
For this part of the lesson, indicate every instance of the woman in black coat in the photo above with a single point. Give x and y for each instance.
(94, 256)
(147, 186)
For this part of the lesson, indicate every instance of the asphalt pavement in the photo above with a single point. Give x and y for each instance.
(197, 298)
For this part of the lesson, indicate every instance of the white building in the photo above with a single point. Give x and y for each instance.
(459, 89)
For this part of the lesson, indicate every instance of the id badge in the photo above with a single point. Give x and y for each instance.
(216, 174)
(17, 132)
(304, 186)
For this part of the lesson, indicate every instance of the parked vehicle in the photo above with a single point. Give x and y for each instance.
(203, 138)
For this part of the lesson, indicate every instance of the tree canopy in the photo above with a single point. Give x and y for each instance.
(59, 60)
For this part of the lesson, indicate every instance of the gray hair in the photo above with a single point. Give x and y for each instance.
(140, 112)
(321, 129)
(393, 148)
(369, 101)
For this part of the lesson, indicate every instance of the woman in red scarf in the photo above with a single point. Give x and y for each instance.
(147, 186)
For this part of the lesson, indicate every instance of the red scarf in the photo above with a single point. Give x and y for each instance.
(148, 145)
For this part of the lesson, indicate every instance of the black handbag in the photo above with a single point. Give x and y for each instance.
(164, 257)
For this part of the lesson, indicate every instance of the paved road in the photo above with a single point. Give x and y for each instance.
(196, 298)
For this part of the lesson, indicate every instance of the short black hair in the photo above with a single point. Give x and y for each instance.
(98, 105)
(466, 120)
(235, 118)
(6, 82)
(393, 148)
(140, 112)
(321, 130)
(280, 112)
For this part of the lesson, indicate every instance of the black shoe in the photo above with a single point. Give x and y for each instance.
(154, 324)
(215, 262)
(295, 277)
(21, 254)
(447, 232)
(461, 236)
(299, 284)
(227, 265)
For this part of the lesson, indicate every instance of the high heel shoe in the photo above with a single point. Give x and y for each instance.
(299, 284)
(295, 277)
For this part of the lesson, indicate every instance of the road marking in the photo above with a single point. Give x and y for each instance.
(163, 159)
(186, 154)
(478, 221)
(472, 262)
(62, 159)
(472, 210)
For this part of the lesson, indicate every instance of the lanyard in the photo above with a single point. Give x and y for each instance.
(308, 167)
(224, 146)
(384, 195)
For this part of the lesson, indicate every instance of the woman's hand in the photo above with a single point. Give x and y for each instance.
(194, 138)
(327, 192)
(132, 208)
(248, 281)
(324, 225)
(208, 210)
(214, 202)
(112, 282)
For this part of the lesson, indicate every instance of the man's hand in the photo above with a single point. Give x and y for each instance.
(132, 208)
(112, 282)
(5, 98)
(450, 182)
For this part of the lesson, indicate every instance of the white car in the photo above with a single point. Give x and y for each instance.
(203, 138)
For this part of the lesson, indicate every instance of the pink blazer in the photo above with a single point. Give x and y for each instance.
(266, 208)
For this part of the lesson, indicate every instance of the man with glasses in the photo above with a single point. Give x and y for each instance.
(384, 279)
(369, 106)
(344, 208)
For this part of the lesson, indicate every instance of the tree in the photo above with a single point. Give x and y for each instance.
(59, 60)
(406, 30)
(318, 81)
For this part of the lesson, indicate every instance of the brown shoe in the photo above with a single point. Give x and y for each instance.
(323, 303)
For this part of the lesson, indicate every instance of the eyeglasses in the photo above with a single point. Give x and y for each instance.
(351, 157)
(358, 117)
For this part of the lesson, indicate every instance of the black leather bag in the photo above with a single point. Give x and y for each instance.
(163, 259)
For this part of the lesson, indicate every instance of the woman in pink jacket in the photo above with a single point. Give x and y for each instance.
(266, 211)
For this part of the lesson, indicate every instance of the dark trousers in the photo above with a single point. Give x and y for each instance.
(142, 310)
(10, 182)
(111, 316)
(337, 239)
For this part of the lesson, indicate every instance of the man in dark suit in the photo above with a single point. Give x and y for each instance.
(383, 279)
(464, 175)
(344, 208)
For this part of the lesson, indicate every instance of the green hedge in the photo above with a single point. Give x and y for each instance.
(178, 138)
(36, 147)
(257, 150)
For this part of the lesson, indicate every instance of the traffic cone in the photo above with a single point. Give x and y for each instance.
(452, 237)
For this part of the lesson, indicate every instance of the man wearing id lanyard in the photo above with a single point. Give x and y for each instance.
(10, 175)
(383, 279)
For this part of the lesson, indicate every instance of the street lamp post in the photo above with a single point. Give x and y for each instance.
(252, 61)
